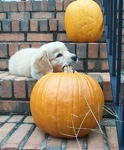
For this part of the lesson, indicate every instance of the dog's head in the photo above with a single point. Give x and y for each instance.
(54, 56)
(59, 56)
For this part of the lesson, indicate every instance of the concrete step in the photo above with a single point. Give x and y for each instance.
(15, 91)
(20, 132)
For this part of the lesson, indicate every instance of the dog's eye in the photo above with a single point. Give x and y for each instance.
(59, 55)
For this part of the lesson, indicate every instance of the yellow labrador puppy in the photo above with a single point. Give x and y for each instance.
(36, 62)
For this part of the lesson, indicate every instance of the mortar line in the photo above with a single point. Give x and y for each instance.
(43, 144)
(12, 131)
(26, 137)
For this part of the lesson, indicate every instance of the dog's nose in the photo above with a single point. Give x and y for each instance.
(74, 57)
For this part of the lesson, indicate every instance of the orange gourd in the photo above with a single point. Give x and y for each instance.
(83, 21)
(67, 104)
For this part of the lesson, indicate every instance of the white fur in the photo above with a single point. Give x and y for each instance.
(22, 63)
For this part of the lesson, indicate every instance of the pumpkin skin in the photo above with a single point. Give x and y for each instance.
(58, 103)
(83, 21)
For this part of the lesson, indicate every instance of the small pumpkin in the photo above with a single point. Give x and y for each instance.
(83, 21)
(66, 104)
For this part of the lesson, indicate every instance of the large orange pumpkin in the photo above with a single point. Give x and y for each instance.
(83, 21)
(66, 104)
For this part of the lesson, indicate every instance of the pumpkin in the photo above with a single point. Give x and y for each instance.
(83, 21)
(66, 104)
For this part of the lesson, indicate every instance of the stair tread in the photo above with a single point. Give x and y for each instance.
(23, 125)
(15, 91)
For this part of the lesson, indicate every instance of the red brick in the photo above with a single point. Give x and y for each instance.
(30, 84)
(53, 141)
(11, 106)
(9, 77)
(3, 118)
(5, 129)
(122, 39)
(16, 137)
(3, 63)
(71, 47)
(122, 56)
(28, 6)
(122, 47)
(73, 145)
(95, 141)
(0, 26)
(33, 25)
(28, 119)
(103, 53)
(39, 37)
(24, 45)
(11, 37)
(2, 16)
(34, 142)
(13, 47)
(24, 25)
(62, 37)
(42, 15)
(105, 77)
(3, 74)
(21, 6)
(36, 6)
(6, 25)
(16, 16)
(60, 15)
(19, 87)
(13, 6)
(104, 65)
(35, 44)
(51, 5)
(44, 5)
(16, 118)
(43, 25)
(3, 50)
(6, 89)
(53, 24)
(92, 50)
(94, 65)
(122, 30)
(15, 25)
(81, 50)
(59, 5)
(1, 6)
(106, 86)
(112, 138)
(61, 25)
(78, 66)
(91, 65)
(19, 16)
(6, 6)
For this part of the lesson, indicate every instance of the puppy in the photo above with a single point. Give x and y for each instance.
(36, 62)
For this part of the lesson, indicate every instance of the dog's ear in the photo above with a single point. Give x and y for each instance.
(43, 64)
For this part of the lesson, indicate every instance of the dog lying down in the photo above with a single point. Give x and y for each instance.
(36, 62)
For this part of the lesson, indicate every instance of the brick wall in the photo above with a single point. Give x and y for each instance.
(30, 24)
